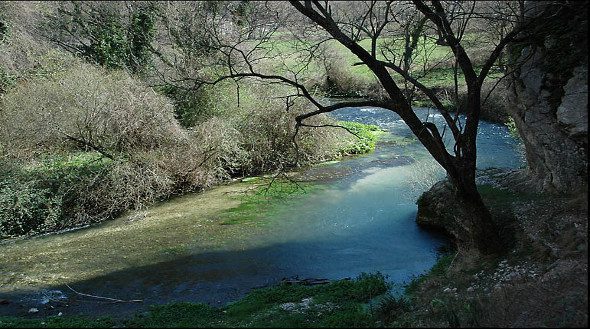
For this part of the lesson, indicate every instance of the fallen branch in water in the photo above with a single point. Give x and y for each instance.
(305, 282)
(107, 298)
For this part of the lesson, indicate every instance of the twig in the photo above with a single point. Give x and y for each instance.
(107, 298)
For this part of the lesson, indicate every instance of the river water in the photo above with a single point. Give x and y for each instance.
(361, 220)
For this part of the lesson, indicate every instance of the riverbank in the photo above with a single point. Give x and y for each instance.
(334, 233)
(336, 304)
(540, 281)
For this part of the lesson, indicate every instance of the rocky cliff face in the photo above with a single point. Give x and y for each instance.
(549, 101)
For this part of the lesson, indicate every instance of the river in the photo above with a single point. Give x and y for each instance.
(360, 220)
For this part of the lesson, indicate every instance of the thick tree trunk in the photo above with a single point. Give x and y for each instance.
(485, 234)
(455, 207)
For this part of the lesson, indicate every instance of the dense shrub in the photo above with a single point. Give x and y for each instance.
(110, 34)
(267, 131)
(85, 107)
(66, 191)
(47, 195)
(193, 107)
(24, 207)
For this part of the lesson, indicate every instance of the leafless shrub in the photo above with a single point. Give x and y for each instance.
(495, 101)
(20, 46)
(267, 128)
(86, 107)
(341, 79)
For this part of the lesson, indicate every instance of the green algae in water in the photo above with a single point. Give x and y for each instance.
(258, 205)
(171, 229)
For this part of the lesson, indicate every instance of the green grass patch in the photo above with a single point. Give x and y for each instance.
(178, 315)
(365, 138)
(337, 304)
(257, 203)
(57, 322)
(341, 303)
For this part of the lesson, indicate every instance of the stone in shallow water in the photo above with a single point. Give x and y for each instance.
(52, 296)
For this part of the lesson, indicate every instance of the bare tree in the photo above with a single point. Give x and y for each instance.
(385, 24)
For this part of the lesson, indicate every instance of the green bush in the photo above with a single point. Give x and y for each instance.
(195, 107)
(104, 33)
(24, 207)
(364, 139)
(44, 196)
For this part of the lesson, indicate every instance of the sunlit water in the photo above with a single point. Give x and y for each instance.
(363, 220)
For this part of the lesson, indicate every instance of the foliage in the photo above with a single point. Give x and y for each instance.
(366, 136)
(141, 32)
(24, 207)
(104, 33)
(56, 322)
(192, 108)
(43, 197)
(512, 128)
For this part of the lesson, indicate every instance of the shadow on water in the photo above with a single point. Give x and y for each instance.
(217, 278)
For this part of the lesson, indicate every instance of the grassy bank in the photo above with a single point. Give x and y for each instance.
(341, 303)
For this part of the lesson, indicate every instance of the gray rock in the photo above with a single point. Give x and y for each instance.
(573, 110)
(549, 105)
